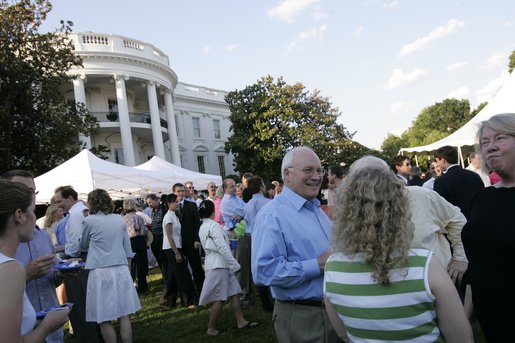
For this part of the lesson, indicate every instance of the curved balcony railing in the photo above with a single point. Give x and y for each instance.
(134, 117)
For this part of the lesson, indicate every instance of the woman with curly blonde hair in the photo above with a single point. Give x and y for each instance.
(376, 286)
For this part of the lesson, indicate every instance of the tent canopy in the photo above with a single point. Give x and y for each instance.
(503, 102)
(176, 174)
(86, 172)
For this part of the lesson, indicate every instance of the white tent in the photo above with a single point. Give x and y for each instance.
(176, 174)
(86, 172)
(503, 102)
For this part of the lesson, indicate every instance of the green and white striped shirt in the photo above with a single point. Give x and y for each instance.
(401, 312)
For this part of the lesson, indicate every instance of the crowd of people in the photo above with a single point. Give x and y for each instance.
(394, 255)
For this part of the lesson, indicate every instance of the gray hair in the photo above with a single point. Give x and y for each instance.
(503, 123)
(290, 157)
(368, 161)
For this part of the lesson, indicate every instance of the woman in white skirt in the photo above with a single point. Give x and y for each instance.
(220, 265)
(110, 292)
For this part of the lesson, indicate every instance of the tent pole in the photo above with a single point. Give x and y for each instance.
(416, 160)
(460, 156)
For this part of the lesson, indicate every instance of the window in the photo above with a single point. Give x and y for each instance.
(201, 166)
(112, 105)
(216, 127)
(196, 127)
(221, 166)
(118, 155)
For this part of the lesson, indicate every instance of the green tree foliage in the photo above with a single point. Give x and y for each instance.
(438, 121)
(511, 63)
(270, 117)
(391, 146)
(432, 124)
(38, 128)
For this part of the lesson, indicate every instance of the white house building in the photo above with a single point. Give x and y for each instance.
(144, 111)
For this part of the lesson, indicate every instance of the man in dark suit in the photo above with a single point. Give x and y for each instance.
(190, 225)
(456, 184)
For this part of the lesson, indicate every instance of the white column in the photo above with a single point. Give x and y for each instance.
(80, 96)
(172, 130)
(125, 124)
(155, 120)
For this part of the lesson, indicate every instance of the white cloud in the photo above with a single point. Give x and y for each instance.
(391, 5)
(400, 106)
(440, 32)
(460, 93)
(287, 10)
(358, 32)
(488, 92)
(498, 58)
(316, 33)
(398, 132)
(318, 15)
(456, 66)
(399, 78)
(206, 49)
(231, 48)
(507, 25)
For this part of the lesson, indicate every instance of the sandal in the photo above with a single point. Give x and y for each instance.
(249, 325)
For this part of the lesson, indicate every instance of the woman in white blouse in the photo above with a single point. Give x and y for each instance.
(17, 316)
(220, 265)
(178, 276)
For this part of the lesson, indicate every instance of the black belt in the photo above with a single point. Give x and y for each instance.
(314, 303)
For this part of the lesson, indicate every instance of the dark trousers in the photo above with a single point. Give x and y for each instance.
(139, 267)
(179, 281)
(243, 253)
(157, 250)
(76, 293)
(193, 256)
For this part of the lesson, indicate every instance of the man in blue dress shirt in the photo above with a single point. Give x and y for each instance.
(290, 248)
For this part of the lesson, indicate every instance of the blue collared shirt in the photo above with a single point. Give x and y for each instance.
(252, 208)
(60, 230)
(292, 233)
(230, 206)
(41, 292)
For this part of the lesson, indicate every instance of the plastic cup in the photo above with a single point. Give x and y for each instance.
(233, 243)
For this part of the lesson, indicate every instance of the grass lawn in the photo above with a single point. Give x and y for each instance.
(155, 324)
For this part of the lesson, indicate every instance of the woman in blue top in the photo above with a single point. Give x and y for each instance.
(110, 292)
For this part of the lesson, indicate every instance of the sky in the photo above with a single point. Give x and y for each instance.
(379, 61)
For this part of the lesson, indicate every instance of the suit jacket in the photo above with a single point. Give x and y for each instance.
(190, 223)
(457, 185)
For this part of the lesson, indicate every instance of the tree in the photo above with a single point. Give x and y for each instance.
(270, 117)
(438, 121)
(391, 146)
(39, 128)
(511, 63)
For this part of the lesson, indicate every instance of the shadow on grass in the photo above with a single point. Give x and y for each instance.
(155, 324)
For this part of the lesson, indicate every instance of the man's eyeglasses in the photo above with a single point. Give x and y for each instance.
(310, 171)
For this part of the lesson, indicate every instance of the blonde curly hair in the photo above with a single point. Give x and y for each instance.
(372, 217)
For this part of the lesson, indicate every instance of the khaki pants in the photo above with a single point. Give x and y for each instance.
(295, 323)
